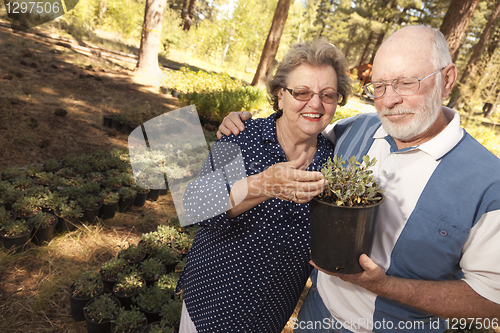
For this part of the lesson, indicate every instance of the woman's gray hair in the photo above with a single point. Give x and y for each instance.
(315, 53)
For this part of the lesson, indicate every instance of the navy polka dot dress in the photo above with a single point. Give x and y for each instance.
(246, 274)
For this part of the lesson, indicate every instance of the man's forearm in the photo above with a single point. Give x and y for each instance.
(447, 299)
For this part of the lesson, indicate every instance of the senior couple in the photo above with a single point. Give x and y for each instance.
(436, 244)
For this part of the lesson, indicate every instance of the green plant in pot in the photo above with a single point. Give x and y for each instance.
(91, 207)
(51, 165)
(86, 286)
(100, 311)
(343, 216)
(16, 234)
(151, 300)
(168, 256)
(109, 201)
(168, 282)
(109, 272)
(44, 225)
(11, 173)
(69, 215)
(171, 313)
(129, 321)
(132, 254)
(127, 197)
(5, 216)
(158, 327)
(127, 286)
(26, 207)
(151, 269)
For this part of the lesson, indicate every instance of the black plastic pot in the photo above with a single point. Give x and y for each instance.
(77, 305)
(125, 205)
(108, 284)
(41, 235)
(108, 210)
(125, 301)
(99, 327)
(116, 124)
(151, 316)
(90, 215)
(170, 267)
(140, 199)
(19, 243)
(67, 224)
(153, 194)
(339, 235)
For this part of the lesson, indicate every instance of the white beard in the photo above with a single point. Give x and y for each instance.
(422, 119)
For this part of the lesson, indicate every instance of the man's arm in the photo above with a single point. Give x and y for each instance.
(233, 123)
(447, 299)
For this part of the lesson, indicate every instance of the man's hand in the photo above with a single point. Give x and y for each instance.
(233, 123)
(373, 278)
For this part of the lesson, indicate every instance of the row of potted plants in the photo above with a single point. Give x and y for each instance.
(139, 283)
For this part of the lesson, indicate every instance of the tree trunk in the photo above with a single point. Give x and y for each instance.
(188, 19)
(362, 60)
(456, 21)
(479, 47)
(380, 39)
(267, 58)
(148, 70)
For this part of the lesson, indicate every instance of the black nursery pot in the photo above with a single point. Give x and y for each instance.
(339, 235)
(19, 243)
(77, 305)
(107, 120)
(108, 211)
(41, 235)
(154, 194)
(125, 301)
(91, 215)
(140, 199)
(99, 327)
(125, 205)
(66, 224)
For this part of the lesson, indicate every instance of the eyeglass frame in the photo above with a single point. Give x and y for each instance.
(290, 90)
(398, 78)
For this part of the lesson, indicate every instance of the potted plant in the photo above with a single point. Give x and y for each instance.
(5, 216)
(127, 179)
(32, 170)
(44, 226)
(129, 321)
(99, 312)
(151, 300)
(26, 207)
(168, 256)
(87, 285)
(151, 269)
(109, 200)
(91, 207)
(91, 187)
(109, 272)
(142, 195)
(16, 234)
(113, 182)
(45, 178)
(66, 172)
(132, 254)
(69, 216)
(127, 197)
(342, 217)
(168, 282)
(95, 177)
(150, 243)
(182, 243)
(171, 313)
(127, 286)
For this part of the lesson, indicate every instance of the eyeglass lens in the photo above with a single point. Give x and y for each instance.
(328, 95)
(402, 85)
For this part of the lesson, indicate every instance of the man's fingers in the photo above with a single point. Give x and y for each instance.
(236, 122)
(301, 162)
(245, 115)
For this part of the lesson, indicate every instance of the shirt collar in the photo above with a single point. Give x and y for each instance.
(442, 143)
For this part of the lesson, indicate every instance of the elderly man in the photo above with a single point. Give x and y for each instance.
(436, 245)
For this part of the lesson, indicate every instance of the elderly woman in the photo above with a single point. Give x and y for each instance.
(249, 262)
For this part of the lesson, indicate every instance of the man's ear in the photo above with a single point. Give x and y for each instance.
(449, 79)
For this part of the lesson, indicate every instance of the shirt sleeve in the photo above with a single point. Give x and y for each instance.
(329, 132)
(206, 198)
(481, 257)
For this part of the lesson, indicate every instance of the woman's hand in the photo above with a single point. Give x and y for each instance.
(233, 123)
(289, 181)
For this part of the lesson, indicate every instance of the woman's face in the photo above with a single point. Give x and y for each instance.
(308, 118)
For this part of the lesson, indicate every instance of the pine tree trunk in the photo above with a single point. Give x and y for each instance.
(267, 58)
(188, 19)
(456, 21)
(147, 65)
(479, 47)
